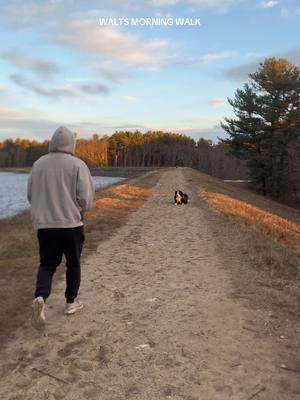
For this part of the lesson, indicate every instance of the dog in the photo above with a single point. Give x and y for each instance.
(180, 198)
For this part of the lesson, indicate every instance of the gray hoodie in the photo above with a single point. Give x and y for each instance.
(60, 186)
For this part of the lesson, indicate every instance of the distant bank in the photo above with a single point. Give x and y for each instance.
(124, 172)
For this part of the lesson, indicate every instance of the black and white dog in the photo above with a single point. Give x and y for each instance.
(180, 197)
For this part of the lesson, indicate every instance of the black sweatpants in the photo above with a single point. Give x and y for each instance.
(53, 243)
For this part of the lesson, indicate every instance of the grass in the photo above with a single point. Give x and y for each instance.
(277, 228)
(265, 232)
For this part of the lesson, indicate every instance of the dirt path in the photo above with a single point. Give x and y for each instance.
(158, 323)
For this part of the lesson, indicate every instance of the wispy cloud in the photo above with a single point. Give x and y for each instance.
(268, 4)
(220, 6)
(58, 92)
(130, 99)
(94, 88)
(41, 90)
(217, 101)
(25, 11)
(201, 60)
(111, 43)
(164, 2)
(41, 128)
(20, 113)
(211, 57)
(242, 71)
(33, 64)
(111, 72)
(284, 12)
(7, 112)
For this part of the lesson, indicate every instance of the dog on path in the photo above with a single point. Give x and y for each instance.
(180, 198)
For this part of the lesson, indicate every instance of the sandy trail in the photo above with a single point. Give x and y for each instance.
(158, 323)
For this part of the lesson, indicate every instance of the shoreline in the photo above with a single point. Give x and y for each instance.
(99, 186)
(24, 170)
(122, 172)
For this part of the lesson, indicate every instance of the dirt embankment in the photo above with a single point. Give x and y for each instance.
(181, 302)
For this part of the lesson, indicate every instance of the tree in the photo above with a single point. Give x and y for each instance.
(267, 120)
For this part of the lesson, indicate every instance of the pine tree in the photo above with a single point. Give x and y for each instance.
(267, 111)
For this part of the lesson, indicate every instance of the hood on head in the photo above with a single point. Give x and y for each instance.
(63, 140)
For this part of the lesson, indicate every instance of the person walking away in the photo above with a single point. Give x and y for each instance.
(60, 190)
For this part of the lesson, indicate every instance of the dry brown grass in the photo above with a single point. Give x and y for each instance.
(19, 248)
(212, 184)
(121, 196)
(129, 191)
(279, 229)
(266, 235)
(268, 231)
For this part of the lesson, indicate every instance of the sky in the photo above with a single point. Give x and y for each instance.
(97, 66)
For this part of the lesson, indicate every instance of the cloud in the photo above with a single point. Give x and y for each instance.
(94, 88)
(109, 43)
(25, 11)
(217, 101)
(284, 12)
(221, 55)
(164, 2)
(33, 64)
(242, 71)
(210, 132)
(130, 99)
(54, 93)
(58, 92)
(42, 129)
(13, 113)
(32, 128)
(111, 73)
(204, 59)
(7, 112)
(268, 4)
(220, 6)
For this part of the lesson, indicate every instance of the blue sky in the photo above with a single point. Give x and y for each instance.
(59, 66)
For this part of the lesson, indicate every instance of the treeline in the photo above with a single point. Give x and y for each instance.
(160, 149)
(151, 149)
(21, 153)
(217, 160)
(135, 149)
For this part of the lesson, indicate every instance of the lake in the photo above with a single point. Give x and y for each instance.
(13, 191)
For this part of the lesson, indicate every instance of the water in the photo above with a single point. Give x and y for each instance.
(13, 191)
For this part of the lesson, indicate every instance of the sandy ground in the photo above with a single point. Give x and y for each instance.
(160, 320)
